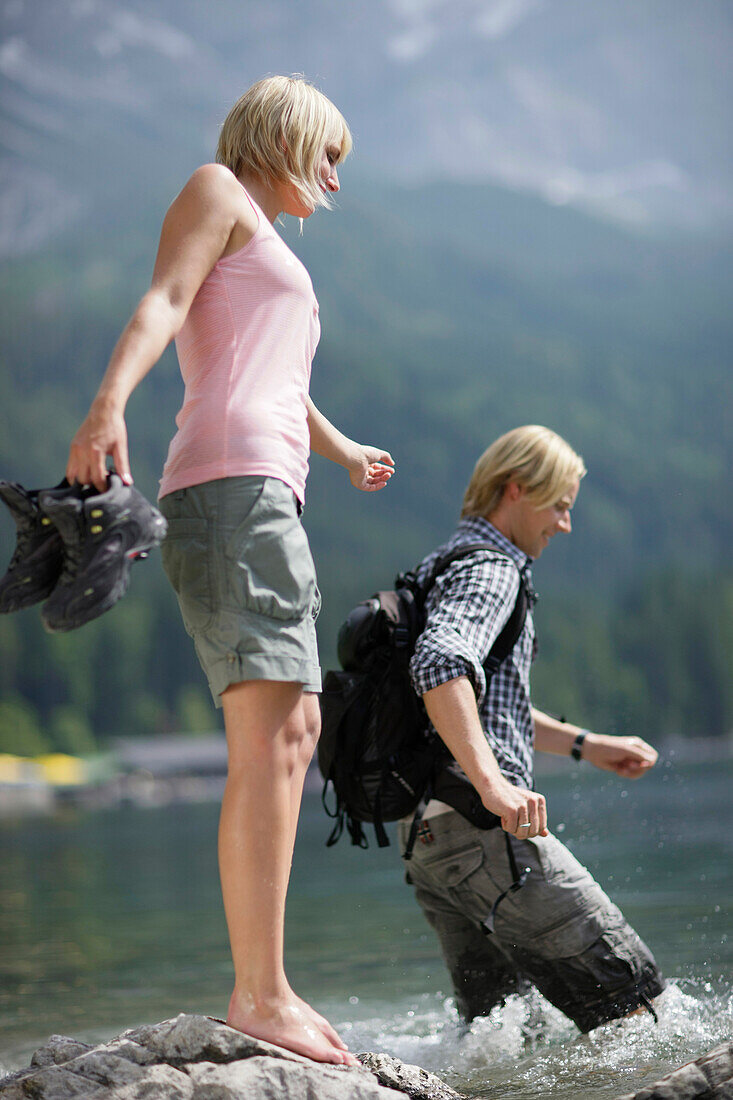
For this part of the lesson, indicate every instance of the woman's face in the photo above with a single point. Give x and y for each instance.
(328, 179)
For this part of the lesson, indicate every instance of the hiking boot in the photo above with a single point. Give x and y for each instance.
(36, 564)
(103, 533)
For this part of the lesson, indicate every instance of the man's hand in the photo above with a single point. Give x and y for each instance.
(102, 433)
(523, 813)
(370, 468)
(629, 757)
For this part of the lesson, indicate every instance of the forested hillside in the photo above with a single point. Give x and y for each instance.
(449, 315)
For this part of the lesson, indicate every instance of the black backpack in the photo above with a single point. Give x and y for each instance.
(376, 748)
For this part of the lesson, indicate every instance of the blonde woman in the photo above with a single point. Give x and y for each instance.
(242, 310)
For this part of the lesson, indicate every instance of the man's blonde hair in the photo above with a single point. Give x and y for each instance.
(534, 457)
(279, 129)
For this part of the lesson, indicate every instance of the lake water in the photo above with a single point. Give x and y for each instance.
(113, 918)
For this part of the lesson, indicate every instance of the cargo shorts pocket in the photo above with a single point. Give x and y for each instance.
(186, 560)
(269, 567)
(459, 875)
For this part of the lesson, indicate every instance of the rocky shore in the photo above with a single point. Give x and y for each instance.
(197, 1058)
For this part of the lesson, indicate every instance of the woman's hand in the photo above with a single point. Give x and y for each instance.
(370, 469)
(102, 433)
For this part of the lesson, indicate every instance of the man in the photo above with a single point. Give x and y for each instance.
(559, 931)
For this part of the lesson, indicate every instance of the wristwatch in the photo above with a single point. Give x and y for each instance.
(577, 749)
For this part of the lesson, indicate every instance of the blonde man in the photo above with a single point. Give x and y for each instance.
(502, 929)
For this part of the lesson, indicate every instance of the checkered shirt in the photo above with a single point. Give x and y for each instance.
(466, 611)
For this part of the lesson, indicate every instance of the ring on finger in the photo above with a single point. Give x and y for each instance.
(526, 825)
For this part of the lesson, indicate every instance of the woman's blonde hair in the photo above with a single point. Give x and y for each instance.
(279, 129)
(534, 457)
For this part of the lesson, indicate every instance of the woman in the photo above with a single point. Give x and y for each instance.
(242, 309)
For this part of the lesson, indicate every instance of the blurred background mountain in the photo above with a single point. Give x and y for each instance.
(536, 226)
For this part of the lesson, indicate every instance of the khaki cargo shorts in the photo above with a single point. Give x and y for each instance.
(239, 561)
(559, 932)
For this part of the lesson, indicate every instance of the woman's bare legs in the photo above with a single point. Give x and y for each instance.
(272, 729)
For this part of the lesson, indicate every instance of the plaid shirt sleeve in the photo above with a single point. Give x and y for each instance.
(466, 610)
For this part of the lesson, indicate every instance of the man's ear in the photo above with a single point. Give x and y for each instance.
(513, 491)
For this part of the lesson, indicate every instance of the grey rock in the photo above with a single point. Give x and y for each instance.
(717, 1065)
(157, 1083)
(710, 1077)
(412, 1081)
(103, 1068)
(129, 1050)
(200, 1039)
(57, 1050)
(57, 1083)
(11, 1089)
(97, 1063)
(270, 1079)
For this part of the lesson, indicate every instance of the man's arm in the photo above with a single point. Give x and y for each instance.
(629, 757)
(452, 709)
(369, 468)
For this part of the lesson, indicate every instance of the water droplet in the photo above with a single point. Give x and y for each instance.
(353, 1000)
(560, 827)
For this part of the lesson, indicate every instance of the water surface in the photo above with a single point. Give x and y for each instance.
(113, 918)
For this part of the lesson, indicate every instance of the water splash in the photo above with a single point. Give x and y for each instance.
(528, 1049)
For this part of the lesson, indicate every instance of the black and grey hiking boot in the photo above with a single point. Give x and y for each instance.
(102, 533)
(36, 564)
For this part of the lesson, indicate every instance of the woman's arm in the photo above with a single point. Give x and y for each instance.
(368, 467)
(195, 233)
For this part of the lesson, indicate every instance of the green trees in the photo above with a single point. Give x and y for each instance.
(439, 333)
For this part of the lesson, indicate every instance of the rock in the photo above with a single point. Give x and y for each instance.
(158, 1083)
(197, 1058)
(57, 1050)
(54, 1083)
(410, 1080)
(717, 1065)
(710, 1077)
(267, 1079)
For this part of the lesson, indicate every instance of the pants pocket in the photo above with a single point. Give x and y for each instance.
(269, 567)
(186, 560)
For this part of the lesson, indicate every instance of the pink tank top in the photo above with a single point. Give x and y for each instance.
(245, 352)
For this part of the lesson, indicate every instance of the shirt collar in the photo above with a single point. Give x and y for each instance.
(476, 528)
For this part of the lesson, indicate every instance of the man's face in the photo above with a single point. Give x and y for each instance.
(532, 528)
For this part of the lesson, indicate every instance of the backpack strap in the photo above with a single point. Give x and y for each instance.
(513, 627)
(459, 792)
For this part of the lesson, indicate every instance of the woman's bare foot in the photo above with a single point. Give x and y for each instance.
(289, 1023)
(322, 1024)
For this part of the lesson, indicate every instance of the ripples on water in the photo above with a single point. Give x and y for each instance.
(528, 1049)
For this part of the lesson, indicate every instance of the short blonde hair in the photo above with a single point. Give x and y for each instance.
(534, 457)
(279, 129)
